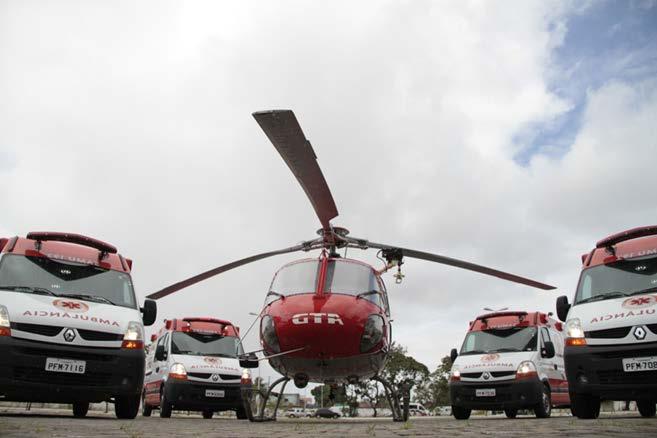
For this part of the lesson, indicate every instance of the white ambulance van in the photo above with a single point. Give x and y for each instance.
(611, 326)
(71, 330)
(194, 366)
(509, 361)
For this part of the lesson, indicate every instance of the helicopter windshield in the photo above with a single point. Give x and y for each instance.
(347, 277)
(297, 278)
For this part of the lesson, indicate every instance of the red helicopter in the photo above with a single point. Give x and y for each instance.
(326, 319)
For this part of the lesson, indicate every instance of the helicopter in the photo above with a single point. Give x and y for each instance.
(326, 319)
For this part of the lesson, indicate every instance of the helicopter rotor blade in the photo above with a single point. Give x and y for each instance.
(451, 262)
(227, 267)
(283, 130)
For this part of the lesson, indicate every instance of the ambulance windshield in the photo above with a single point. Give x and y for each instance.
(618, 279)
(500, 340)
(45, 276)
(205, 344)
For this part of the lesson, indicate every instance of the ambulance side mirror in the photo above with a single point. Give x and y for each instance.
(160, 354)
(453, 355)
(249, 361)
(149, 312)
(562, 307)
(548, 350)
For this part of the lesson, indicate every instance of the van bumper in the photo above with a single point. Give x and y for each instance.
(109, 372)
(509, 394)
(192, 396)
(598, 370)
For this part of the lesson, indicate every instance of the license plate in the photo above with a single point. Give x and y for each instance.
(490, 392)
(634, 364)
(215, 393)
(65, 365)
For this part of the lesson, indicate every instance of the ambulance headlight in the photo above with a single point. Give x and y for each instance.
(372, 334)
(268, 333)
(5, 324)
(134, 336)
(526, 369)
(178, 371)
(455, 374)
(574, 332)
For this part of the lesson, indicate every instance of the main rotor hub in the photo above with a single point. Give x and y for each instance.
(340, 231)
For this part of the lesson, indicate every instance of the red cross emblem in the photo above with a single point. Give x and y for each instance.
(71, 306)
(640, 302)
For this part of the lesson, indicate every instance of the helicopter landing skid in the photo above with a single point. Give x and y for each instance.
(247, 398)
(400, 412)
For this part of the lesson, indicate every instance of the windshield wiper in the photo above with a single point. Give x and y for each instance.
(87, 297)
(605, 296)
(506, 349)
(475, 352)
(642, 291)
(220, 355)
(364, 294)
(31, 290)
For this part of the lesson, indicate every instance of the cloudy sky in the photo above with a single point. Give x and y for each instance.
(510, 134)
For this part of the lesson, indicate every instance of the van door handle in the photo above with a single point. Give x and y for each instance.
(556, 367)
(157, 370)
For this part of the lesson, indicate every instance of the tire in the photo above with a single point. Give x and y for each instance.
(511, 413)
(335, 416)
(165, 406)
(647, 408)
(80, 409)
(145, 409)
(585, 406)
(544, 407)
(241, 414)
(208, 414)
(461, 413)
(126, 408)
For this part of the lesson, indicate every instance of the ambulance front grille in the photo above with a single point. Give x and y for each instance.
(37, 329)
(617, 332)
(92, 335)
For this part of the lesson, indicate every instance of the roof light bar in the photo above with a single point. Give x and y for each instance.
(627, 235)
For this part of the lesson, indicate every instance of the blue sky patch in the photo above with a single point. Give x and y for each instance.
(612, 40)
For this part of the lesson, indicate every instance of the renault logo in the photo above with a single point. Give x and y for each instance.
(69, 335)
(639, 333)
(486, 376)
(215, 377)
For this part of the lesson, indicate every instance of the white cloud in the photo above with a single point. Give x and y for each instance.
(131, 124)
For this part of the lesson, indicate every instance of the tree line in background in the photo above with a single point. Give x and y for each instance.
(429, 388)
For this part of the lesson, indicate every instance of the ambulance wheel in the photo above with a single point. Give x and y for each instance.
(647, 408)
(461, 413)
(208, 414)
(241, 414)
(511, 413)
(126, 408)
(585, 406)
(544, 407)
(80, 409)
(145, 409)
(165, 406)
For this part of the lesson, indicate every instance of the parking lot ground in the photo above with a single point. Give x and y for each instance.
(45, 423)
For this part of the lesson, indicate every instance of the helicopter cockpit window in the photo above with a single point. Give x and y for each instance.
(345, 277)
(297, 278)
